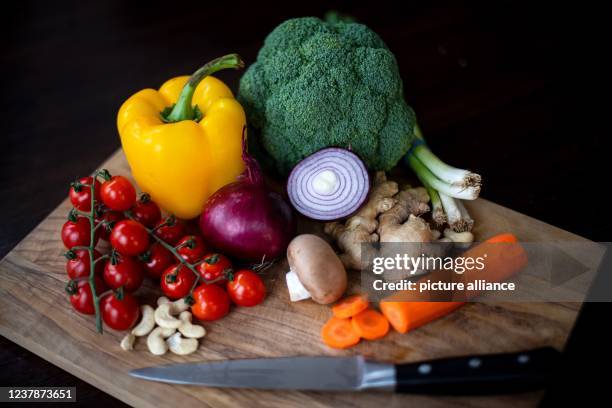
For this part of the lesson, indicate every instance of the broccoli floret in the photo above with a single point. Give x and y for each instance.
(317, 84)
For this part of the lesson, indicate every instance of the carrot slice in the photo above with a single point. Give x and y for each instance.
(339, 333)
(370, 324)
(350, 306)
(502, 261)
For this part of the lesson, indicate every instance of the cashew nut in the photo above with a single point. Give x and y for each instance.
(459, 237)
(156, 342)
(164, 318)
(178, 306)
(180, 345)
(188, 329)
(127, 343)
(162, 299)
(147, 322)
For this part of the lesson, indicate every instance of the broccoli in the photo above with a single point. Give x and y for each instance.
(318, 83)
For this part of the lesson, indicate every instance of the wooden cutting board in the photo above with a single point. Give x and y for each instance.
(36, 314)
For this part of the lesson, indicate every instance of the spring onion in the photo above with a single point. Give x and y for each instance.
(446, 185)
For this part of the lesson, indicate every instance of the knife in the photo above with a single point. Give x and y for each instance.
(474, 375)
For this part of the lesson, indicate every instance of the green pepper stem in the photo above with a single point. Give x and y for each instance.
(183, 109)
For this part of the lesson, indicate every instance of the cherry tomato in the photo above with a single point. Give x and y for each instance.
(111, 217)
(82, 300)
(127, 272)
(215, 266)
(157, 260)
(120, 314)
(77, 233)
(211, 302)
(118, 193)
(246, 289)
(146, 212)
(176, 281)
(129, 238)
(78, 267)
(171, 234)
(81, 199)
(192, 248)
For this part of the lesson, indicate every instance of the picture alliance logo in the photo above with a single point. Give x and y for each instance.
(415, 265)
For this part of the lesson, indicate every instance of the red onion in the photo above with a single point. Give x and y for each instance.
(329, 184)
(245, 219)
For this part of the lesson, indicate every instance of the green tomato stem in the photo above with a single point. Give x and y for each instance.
(91, 215)
(103, 257)
(92, 261)
(78, 247)
(178, 257)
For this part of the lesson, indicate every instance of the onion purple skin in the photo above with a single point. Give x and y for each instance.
(248, 221)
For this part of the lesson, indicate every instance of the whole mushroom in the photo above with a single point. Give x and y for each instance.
(316, 271)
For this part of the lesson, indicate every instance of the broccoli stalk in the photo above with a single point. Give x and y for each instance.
(445, 184)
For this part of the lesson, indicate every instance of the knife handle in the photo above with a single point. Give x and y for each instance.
(479, 375)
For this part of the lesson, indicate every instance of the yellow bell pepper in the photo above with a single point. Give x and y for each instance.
(184, 141)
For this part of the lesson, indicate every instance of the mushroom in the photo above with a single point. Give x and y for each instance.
(156, 340)
(316, 270)
(187, 329)
(180, 345)
(164, 318)
(147, 322)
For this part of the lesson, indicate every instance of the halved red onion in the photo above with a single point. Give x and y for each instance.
(329, 184)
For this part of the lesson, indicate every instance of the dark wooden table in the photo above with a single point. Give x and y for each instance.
(495, 86)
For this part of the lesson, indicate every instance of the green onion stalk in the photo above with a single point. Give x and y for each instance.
(446, 185)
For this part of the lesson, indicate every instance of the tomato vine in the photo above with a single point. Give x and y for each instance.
(91, 215)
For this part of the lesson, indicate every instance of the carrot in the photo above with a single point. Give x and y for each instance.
(501, 262)
(503, 256)
(370, 324)
(506, 237)
(350, 306)
(405, 316)
(339, 333)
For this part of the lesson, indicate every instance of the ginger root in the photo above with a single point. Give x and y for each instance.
(391, 215)
(361, 227)
(401, 223)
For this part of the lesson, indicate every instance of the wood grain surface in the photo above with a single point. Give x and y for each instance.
(35, 313)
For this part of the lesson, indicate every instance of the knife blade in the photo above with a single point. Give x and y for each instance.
(476, 375)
